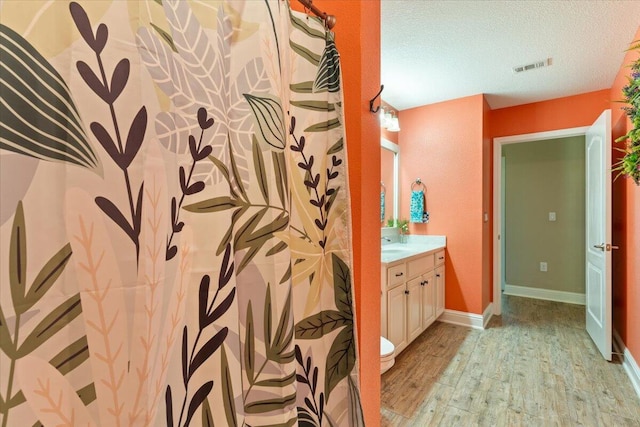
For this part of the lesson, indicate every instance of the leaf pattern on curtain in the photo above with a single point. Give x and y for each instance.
(320, 257)
(122, 151)
(39, 117)
(194, 72)
(15, 346)
(202, 276)
(328, 77)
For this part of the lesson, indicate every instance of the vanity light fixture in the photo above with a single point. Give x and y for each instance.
(389, 120)
(395, 124)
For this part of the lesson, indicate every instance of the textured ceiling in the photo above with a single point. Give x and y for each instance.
(435, 51)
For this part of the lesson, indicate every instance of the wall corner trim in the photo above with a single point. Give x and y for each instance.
(628, 362)
(545, 294)
(471, 320)
(487, 315)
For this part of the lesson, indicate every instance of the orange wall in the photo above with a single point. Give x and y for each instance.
(360, 62)
(459, 176)
(391, 136)
(560, 113)
(442, 144)
(626, 230)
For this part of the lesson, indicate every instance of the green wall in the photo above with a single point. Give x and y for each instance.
(542, 177)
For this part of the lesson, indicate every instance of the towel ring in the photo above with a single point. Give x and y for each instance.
(418, 182)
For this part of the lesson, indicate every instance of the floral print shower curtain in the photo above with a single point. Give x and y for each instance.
(175, 219)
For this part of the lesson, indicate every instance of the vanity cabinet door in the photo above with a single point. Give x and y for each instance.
(439, 291)
(428, 299)
(414, 304)
(396, 315)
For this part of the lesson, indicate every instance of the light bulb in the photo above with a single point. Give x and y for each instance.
(394, 125)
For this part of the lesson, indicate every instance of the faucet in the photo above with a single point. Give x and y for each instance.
(386, 239)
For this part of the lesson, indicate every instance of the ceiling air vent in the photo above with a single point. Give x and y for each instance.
(532, 66)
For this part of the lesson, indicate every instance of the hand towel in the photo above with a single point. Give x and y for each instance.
(417, 206)
(382, 203)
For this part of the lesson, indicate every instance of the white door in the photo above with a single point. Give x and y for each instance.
(598, 233)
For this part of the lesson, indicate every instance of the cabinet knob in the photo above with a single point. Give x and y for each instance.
(440, 257)
(422, 283)
(399, 274)
(437, 275)
(406, 292)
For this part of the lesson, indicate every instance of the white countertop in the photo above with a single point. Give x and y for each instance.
(416, 245)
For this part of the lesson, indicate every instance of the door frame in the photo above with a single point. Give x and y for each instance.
(498, 143)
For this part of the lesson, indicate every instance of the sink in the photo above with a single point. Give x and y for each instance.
(392, 251)
(397, 251)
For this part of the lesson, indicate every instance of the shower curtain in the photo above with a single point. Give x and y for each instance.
(175, 220)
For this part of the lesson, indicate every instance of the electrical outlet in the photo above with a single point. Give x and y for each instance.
(543, 266)
(552, 216)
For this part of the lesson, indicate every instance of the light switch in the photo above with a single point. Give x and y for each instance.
(552, 216)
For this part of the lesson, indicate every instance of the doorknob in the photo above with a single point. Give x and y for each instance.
(601, 247)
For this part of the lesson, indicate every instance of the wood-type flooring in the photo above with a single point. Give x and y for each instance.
(533, 366)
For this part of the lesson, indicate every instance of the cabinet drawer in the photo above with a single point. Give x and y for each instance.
(419, 266)
(440, 257)
(396, 275)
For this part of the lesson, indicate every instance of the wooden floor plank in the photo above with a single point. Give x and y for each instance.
(458, 417)
(534, 366)
(434, 407)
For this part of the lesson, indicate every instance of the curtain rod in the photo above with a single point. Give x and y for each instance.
(329, 20)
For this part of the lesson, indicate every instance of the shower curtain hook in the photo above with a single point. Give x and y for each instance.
(373, 99)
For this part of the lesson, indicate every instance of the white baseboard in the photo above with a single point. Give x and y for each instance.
(545, 294)
(472, 320)
(628, 362)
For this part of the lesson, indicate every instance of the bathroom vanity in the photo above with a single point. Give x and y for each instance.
(412, 288)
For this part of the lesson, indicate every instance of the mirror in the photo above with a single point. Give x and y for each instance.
(389, 168)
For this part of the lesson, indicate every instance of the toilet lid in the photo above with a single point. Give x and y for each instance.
(386, 347)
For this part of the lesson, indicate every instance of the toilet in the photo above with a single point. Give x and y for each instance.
(387, 355)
